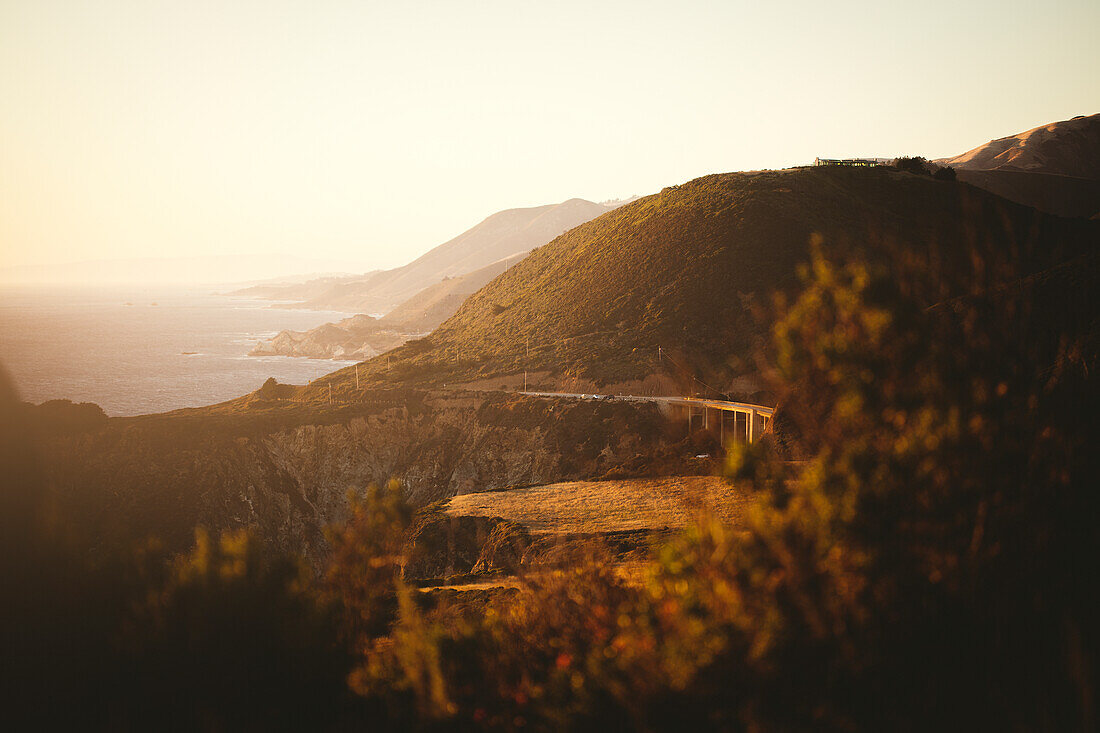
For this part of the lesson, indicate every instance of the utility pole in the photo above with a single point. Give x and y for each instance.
(357, 377)
(524, 380)
(330, 394)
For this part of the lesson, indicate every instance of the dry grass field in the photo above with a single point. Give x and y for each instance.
(607, 506)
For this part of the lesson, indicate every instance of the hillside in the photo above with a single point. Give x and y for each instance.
(434, 304)
(363, 336)
(502, 235)
(1067, 148)
(683, 269)
(1054, 168)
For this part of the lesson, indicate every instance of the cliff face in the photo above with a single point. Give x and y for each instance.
(287, 475)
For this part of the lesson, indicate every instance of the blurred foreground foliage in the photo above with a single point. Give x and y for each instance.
(929, 562)
(920, 555)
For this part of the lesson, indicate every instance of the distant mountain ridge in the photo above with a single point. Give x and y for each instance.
(502, 235)
(434, 304)
(363, 336)
(419, 296)
(1067, 148)
(1054, 168)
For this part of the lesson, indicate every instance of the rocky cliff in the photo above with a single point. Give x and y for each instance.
(359, 337)
(285, 470)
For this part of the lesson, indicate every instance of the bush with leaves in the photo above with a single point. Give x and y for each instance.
(945, 173)
(367, 558)
(917, 165)
(930, 561)
(236, 638)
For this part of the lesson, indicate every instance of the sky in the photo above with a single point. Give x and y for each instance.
(361, 134)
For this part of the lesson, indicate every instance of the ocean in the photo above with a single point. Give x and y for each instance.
(139, 351)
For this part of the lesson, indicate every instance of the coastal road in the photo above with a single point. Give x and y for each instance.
(741, 407)
(757, 418)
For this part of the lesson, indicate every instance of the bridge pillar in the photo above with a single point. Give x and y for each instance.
(751, 425)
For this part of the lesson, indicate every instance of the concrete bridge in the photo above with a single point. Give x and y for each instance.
(744, 419)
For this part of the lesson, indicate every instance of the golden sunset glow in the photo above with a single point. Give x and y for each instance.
(364, 133)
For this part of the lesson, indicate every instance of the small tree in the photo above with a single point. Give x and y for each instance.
(916, 165)
(945, 173)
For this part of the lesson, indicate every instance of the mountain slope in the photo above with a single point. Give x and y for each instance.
(681, 270)
(434, 304)
(363, 336)
(499, 236)
(1067, 148)
(1055, 167)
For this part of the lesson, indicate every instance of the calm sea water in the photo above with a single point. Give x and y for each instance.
(119, 350)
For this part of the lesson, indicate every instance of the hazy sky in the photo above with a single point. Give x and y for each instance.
(369, 131)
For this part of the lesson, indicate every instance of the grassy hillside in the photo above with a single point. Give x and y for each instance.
(593, 507)
(683, 270)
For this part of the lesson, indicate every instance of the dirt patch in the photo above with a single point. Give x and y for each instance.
(608, 506)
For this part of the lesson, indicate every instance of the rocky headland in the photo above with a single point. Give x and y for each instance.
(359, 337)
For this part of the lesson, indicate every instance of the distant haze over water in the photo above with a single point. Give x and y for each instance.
(174, 272)
(188, 350)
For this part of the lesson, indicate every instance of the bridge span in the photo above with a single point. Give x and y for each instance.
(750, 421)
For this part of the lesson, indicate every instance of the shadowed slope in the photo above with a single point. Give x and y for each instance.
(1055, 168)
